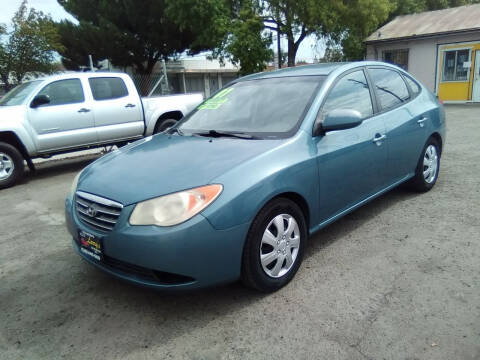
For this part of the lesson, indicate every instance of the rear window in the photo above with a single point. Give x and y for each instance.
(106, 88)
(390, 88)
(413, 85)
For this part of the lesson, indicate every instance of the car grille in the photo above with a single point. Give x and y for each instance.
(97, 212)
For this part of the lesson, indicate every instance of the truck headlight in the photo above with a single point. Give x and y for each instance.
(174, 208)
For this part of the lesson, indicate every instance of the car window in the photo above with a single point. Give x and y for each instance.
(64, 92)
(390, 88)
(350, 92)
(413, 85)
(271, 107)
(106, 88)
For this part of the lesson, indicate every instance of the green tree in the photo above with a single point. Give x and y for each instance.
(233, 30)
(402, 7)
(297, 19)
(29, 48)
(128, 33)
(246, 44)
(359, 18)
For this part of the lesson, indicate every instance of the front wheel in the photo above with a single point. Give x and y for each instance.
(274, 248)
(428, 166)
(11, 165)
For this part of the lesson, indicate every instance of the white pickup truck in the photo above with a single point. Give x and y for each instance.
(75, 111)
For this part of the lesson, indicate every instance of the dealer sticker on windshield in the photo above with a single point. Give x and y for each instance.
(90, 245)
(216, 101)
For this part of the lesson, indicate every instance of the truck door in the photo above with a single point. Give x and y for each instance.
(67, 120)
(117, 109)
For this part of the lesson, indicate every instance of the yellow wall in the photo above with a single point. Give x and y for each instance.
(456, 90)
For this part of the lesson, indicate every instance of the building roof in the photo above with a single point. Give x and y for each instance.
(430, 23)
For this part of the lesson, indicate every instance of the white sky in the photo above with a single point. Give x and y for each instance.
(9, 7)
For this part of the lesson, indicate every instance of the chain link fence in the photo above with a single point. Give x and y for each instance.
(151, 84)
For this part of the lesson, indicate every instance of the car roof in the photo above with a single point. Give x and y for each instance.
(315, 69)
(78, 74)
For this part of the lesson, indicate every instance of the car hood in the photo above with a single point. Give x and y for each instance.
(163, 164)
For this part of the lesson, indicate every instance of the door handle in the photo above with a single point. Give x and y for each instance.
(130, 105)
(421, 121)
(84, 110)
(377, 139)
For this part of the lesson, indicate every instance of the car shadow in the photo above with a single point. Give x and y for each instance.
(58, 167)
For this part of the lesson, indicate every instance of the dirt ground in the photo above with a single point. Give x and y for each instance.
(396, 279)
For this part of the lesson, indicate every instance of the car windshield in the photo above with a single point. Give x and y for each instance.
(272, 107)
(18, 94)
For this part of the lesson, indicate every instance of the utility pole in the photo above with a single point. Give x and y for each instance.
(90, 60)
(279, 47)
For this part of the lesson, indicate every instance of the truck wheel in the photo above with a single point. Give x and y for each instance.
(11, 165)
(163, 124)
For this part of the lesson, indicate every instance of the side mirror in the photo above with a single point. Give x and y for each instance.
(39, 100)
(339, 119)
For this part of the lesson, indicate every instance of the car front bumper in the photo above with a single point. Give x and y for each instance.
(187, 256)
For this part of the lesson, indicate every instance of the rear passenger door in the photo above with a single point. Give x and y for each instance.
(404, 121)
(351, 162)
(116, 108)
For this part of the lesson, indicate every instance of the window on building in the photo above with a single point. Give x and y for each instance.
(390, 87)
(105, 88)
(453, 65)
(397, 57)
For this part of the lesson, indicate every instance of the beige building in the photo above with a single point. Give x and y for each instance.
(440, 48)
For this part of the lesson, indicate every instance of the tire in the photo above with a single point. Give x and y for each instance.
(11, 165)
(428, 167)
(275, 271)
(163, 125)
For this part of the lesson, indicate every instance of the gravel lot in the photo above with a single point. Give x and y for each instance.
(396, 279)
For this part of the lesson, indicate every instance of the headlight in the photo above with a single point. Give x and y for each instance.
(174, 208)
(74, 184)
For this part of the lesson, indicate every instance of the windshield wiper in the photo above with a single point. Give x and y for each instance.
(215, 133)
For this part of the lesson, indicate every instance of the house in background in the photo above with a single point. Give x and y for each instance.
(440, 48)
(195, 75)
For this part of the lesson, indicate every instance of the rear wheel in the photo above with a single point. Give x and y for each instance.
(274, 248)
(163, 125)
(11, 165)
(428, 166)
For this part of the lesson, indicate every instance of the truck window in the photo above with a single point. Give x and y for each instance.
(63, 92)
(106, 88)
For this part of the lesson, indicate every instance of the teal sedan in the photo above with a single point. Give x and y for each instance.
(235, 189)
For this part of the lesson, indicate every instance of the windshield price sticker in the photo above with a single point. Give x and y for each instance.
(216, 101)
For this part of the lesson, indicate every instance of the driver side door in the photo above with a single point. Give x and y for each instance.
(67, 121)
(351, 162)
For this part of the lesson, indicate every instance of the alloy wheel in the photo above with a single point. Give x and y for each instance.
(6, 166)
